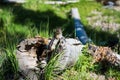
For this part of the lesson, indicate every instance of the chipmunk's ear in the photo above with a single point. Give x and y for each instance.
(57, 30)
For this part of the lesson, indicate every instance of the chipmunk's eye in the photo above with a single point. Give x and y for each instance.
(62, 42)
(94, 50)
(46, 47)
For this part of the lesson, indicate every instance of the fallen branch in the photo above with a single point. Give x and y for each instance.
(100, 54)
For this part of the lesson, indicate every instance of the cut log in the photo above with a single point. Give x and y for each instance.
(79, 29)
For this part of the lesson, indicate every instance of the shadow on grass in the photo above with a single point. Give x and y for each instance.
(102, 38)
(24, 16)
(35, 19)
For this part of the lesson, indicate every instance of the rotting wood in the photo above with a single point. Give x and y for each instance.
(29, 51)
(28, 58)
(101, 53)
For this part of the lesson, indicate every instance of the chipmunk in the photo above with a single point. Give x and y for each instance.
(58, 33)
(47, 53)
(56, 36)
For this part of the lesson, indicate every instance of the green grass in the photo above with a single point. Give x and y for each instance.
(9, 65)
(20, 21)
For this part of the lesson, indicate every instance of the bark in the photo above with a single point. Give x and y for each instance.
(28, 58)
(101, 53)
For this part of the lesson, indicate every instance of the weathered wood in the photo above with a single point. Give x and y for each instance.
(79, 29)
(61, 2)
(101, 53)
(70, 52)
(28, 59)
(27, 64)
(31, 52)
(14, 1)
